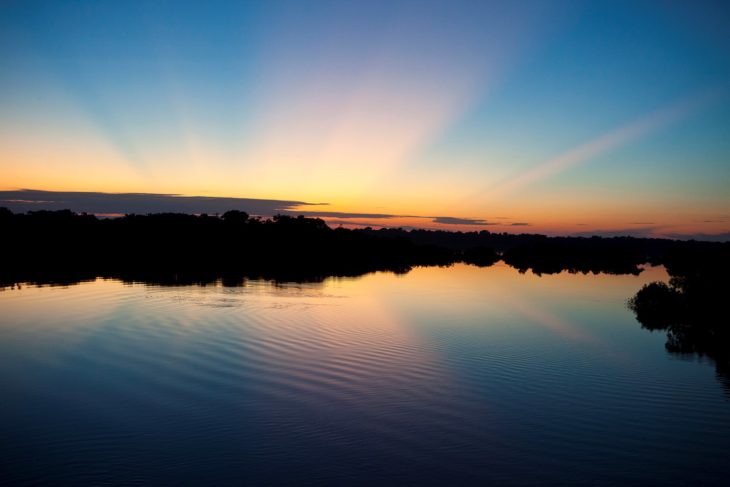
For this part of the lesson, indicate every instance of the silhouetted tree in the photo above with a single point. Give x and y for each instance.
(692, 308)
(235, 217)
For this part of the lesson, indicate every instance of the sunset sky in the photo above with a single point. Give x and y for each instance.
(551, 117)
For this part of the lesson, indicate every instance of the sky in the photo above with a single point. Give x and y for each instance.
(564, 117)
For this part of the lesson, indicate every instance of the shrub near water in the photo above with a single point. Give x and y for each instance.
(692, 308)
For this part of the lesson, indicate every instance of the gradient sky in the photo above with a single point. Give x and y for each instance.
(571, 117)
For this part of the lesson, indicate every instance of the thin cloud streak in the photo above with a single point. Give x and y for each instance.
(604, 143)
(117, 204)
(719, 237)
(340, 214)
(449, 220)
(121, 203)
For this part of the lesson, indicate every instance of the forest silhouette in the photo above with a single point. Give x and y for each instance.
(62, 247)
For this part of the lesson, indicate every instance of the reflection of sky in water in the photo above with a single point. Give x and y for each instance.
(441, 375)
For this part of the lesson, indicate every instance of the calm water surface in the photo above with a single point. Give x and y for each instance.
(442, 376)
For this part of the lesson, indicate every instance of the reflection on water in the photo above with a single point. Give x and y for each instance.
(442, 376)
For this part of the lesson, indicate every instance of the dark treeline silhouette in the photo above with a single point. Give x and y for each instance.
(692, 307)
(61, 247)
(547, 255)
(64, 248)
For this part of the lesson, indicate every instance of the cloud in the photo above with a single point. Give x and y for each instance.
(604, 143)
(116, 204)
(348, 223)
(640, 232)
(338, 214)
(718, 237)
(450, 220)
(121, 203)
(520, 224)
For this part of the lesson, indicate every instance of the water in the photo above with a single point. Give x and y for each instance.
(442, 376)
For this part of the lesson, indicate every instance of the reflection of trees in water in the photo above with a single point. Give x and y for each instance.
(63, 248)
(692, 308)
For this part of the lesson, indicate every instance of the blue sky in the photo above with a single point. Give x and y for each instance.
(552, 113)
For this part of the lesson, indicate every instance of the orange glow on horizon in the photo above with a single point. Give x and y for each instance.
(551, 219)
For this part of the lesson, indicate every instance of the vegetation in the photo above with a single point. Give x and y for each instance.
(692, 307)
(63, 247)
(60, 246)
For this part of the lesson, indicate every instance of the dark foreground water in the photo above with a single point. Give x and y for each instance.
(442, 376)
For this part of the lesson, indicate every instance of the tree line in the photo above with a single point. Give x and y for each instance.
(58, 246)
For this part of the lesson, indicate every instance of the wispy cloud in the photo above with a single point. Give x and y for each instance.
(115, 204)
(340, 214)
(641, 232)
(121, 203)
(717, 237)
(450, 220)
(604, 143)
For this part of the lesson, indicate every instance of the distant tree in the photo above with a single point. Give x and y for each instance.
(235, 216)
